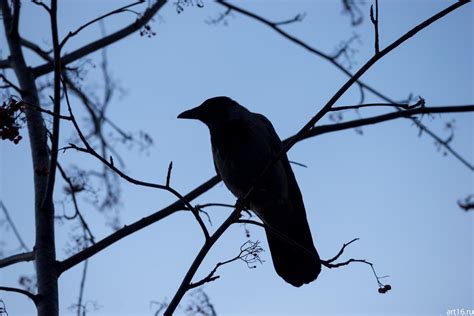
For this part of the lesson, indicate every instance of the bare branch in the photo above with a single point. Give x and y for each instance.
(103, 42)
(323, 129)
(16, 18)
(5, 63)
(351, 8)
(375, 22)
(13, 226)
(20, 257)
(42, 4)
(81, 288)
(339, 66)
(30, 295)
(300, 135)
(404, 106)
(40, 109)
(329, 261)
(73, 190)
(184, 286)
(38, 50)
(10, 84)
(168, 174)
(468, 203)
(138, 225)
(116, 11)
(48, 195)
(298, 18)
(110, 164)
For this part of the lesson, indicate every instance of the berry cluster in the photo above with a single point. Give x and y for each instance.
(384, 289)
(10, 118)
(147, 31)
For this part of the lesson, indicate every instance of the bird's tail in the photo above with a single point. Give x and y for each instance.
(293, 253)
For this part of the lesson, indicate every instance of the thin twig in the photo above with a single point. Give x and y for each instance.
(323, 129)
(375, 22)
(103, 42)
(246, 250)
(339, 66)
(298, 18)
(121, 174)
(17, 258)
(81, 288)
(210, 183)
(11, 84)
(136, 226)
(40, 109)
(116, 11)
(48, 195)
(30, 295)
(5, 63)
(339, 253)
(208, 244)
(77, 213)
(404, 106)
(168, 174)
(42, 4)
(13, 226)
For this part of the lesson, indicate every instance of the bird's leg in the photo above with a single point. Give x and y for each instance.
(240, 206)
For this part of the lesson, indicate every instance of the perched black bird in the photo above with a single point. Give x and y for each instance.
(243, 143)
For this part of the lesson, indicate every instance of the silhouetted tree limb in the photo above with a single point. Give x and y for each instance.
(17, 258)
(301, 133)
(83, 26)
(110, 164)
(339, 66)
(467, 204)
(13, 226)
(249, 253)
(105, 41)
(30, 295)
(45, 255)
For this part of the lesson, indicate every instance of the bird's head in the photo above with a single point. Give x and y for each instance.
(214, 111)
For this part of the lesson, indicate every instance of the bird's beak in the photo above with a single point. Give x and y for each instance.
(190, 114)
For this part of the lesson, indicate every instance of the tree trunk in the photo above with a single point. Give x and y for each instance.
(45, 253)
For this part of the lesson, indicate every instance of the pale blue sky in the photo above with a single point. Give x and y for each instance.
(389, 187)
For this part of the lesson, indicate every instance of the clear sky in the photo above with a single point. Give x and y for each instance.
(389, 187)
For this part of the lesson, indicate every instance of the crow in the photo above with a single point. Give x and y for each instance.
(243, 143)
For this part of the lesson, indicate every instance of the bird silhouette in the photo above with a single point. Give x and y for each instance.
(243, 143)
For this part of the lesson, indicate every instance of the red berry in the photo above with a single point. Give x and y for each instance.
(387, 287)
(382, 290)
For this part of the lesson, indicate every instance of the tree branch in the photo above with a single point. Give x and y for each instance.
(323, 129)
(103, 42)
(20, 257)
(339, 66)
(30, 295)
(13, 226)
(48, 196)
(10, 84)
(5, 63)
(79, 29)
(249, 253)
(72, 190)
(134, 227)
(236, 213)
(375, 22)
(178, 205)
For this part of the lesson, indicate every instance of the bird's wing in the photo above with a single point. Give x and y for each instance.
(277, 146)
